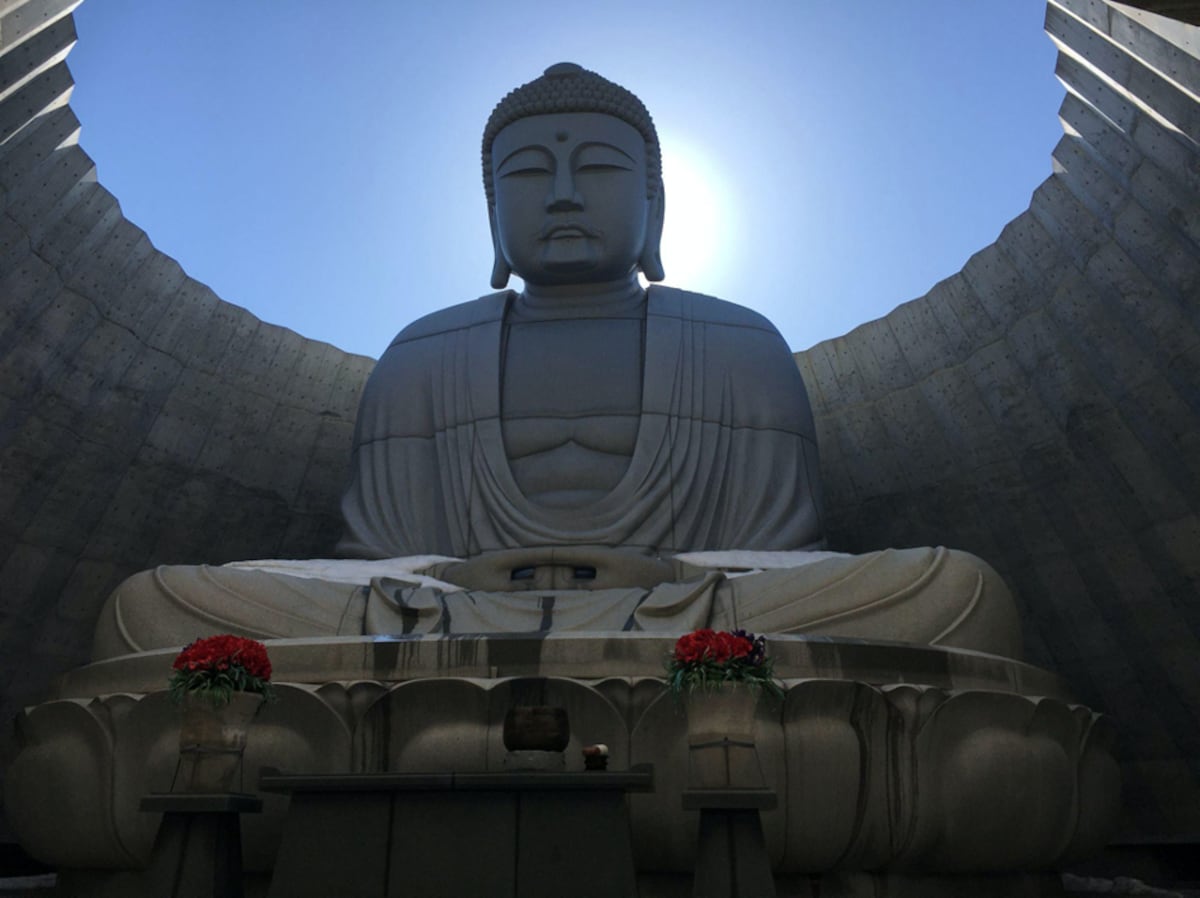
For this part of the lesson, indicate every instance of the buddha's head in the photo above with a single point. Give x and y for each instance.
(573, 176)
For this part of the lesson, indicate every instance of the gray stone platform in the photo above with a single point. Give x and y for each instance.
(882, 754)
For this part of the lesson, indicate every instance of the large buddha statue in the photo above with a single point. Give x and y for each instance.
(584, 454)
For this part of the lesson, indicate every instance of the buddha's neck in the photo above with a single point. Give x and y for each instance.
(612, 299)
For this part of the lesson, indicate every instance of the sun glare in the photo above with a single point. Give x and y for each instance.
(698, 235)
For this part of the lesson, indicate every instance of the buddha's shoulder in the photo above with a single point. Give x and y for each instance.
(485, 310)
(671, 302)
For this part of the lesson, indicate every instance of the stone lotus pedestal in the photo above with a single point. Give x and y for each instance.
(902, 768)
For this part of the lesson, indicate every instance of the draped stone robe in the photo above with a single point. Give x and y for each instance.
(725, 457)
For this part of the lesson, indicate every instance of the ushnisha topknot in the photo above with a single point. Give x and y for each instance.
(568, 87)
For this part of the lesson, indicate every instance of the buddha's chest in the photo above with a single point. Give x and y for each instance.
(571, 394)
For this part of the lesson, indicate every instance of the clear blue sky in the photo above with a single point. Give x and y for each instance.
(318, 163)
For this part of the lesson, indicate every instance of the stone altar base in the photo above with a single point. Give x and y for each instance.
(900, 769)
(126, 884)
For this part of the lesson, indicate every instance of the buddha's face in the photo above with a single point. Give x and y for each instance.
(571, 203)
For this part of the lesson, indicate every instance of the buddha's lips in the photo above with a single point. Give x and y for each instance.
(564, 232)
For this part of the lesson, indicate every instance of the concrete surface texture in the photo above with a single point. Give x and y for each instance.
(1039, 409)
(144, 420)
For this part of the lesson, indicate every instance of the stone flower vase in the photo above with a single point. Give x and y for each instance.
(212, 740)
(720, 737)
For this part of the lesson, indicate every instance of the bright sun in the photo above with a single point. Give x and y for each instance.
(698, 235)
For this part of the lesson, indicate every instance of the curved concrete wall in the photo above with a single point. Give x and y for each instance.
(142, 419)
(1039, 408)
(1042, 407)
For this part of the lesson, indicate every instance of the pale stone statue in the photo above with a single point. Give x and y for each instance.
(583, 455)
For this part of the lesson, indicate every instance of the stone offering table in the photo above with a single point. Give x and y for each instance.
(523, 835)
(198, 851)
(731, 857)
(897, 759)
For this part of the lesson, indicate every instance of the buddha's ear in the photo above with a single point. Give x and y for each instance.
(500, 268)
(651, 259)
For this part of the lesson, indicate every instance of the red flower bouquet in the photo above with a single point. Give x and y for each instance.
(707, 659)
(219, 666)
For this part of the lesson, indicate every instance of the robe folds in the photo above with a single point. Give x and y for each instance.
(725, 455)
(440, 540)
(930, 596)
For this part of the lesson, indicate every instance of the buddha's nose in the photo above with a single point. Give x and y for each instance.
(563, 196)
